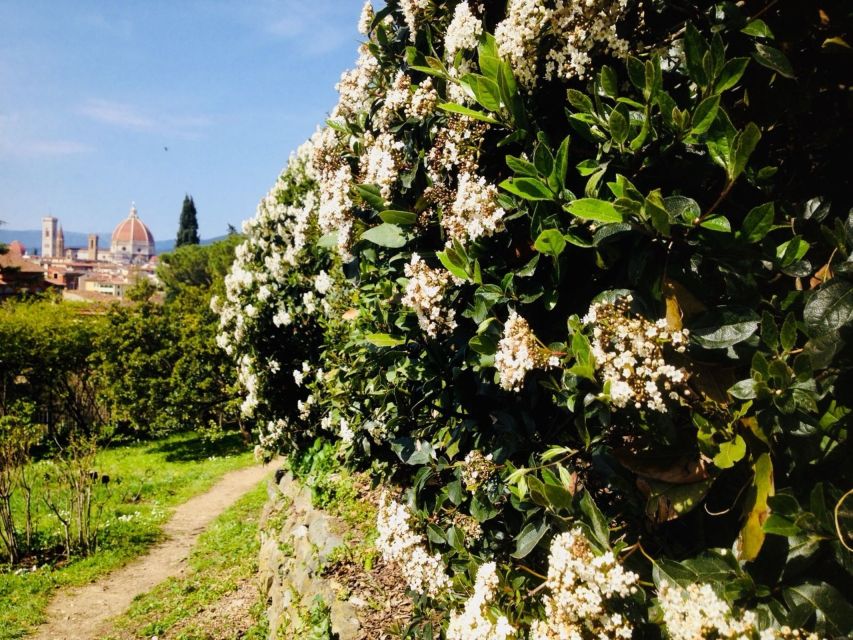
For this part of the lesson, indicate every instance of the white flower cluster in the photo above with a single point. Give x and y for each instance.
(519, 352)
(335, 181)
(580, 26)
(357, 86)
(475, 212)
(423, 101)
(272, 435)
(455, 148)
(628, 353)
(366, 18)
(463, 32)
(413, 11)
(425, 294)
(518, 35)
(402, 102)
(576, 27)
(424, 572)
(477, 469)
(477, 621)
(585, 592)
(381, 162)
(696, 611)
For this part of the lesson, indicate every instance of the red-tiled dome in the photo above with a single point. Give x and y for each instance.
(17, 247)
(132, 230)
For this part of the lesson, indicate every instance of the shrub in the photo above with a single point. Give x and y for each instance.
(578, 277)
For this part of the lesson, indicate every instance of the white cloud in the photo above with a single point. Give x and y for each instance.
(18, 141)
(128, 116)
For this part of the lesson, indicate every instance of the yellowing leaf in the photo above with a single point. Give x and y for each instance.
(751, 536)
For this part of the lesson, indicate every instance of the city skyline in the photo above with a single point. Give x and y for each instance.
(107, 105)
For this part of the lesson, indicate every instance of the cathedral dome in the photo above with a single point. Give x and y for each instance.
(132, 240)
(132, 229)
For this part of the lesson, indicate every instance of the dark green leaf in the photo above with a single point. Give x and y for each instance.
(398, 217)
(385, 235)
(758, 223)
(757, 28)
(383, 340)
(731, 74)
(595, 210)
(829, 308)
(529, 537)
(773, 59)
(521, 167)
(527, 188)
(704, 115)
(724, 326)
(550, 242)
(716, 223)
(371, 195)
(465, 111)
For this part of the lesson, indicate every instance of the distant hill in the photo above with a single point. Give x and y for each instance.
(31, 239)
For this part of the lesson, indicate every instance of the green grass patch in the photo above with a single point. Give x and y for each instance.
(147, 481)
(224, 556)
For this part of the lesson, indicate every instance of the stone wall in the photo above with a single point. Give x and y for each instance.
(297, 541)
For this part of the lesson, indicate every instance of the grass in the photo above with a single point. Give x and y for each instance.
(146, 482)
(223, 558)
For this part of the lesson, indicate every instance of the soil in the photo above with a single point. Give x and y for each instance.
(84, 613)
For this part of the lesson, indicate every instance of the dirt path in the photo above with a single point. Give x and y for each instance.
(84, 613)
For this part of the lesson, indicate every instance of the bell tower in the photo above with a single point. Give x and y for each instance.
(93, 247)
(49, 236)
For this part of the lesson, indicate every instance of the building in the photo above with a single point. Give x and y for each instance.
(52, 238)
(132, 240)
(19, 276)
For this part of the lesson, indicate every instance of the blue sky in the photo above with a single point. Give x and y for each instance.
(92, 94)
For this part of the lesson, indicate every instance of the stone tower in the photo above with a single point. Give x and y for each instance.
(60, 243)
(49, 237)
(93, 247)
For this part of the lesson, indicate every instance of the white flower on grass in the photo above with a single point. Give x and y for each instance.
(519, 352)
(629, 356)
(424, 572)
(586, 592)
(477, 620)
(696, 611)
(475, 212)
(463, 32)
(425, 293)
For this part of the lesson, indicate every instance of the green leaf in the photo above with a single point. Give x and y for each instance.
(383, 340)
(668, 501)
(550, 242)
(758, 223)
(371, 195)
(609, 81)
(731, 452)
(742, 148)
(392, 216)
(580, 101)
(757, 28)
(731, 74)
(486, 92)
(789, 332)
(717, 223)
(561, 162)
(385, 235)
(834, 611)
(681, 207)
(695, 48)
(596, 520)
(521, 167)
(773, 59)
(452, 107)
(529, 537)
(744, 390)
(724, 326)
(618, 127)
(704, 115)
(829, 308)
(329, 240)
(751, 537)
(595, 210)
(527, 188)
(453, 263)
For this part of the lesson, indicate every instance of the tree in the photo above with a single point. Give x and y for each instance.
(188, 228)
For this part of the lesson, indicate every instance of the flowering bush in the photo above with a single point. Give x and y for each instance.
(577, 276)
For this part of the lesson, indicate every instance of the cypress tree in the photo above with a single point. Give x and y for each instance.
(188, 228)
